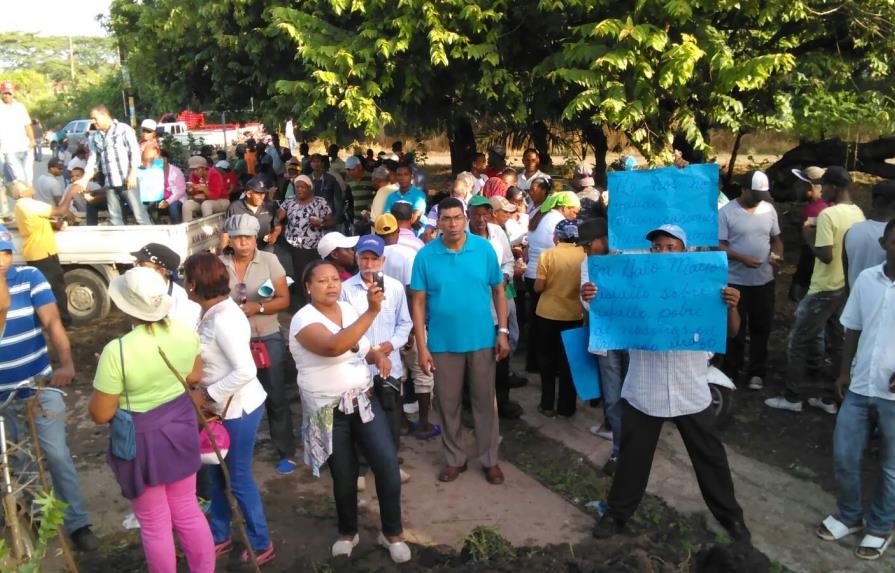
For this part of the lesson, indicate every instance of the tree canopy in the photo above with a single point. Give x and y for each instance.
(660, 71)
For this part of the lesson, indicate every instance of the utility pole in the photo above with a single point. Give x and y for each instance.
(71, 59)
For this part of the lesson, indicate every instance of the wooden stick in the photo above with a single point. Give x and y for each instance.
(234, 507)
(42, 472)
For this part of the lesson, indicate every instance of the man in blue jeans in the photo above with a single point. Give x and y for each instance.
(868, 374)
(23, 356)
(113, 146)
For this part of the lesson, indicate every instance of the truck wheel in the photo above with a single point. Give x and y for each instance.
(88, 297)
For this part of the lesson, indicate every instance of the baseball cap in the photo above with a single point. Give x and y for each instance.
(352, 161)
(386, 224)
(222, 164)
(836, 175)
(371, 243)
(479, 201)
(591, 229)
(197, 161)
(671, 230)
(7, 87)
(257, 185)
(332, 241)
(811, 174)
(760, 186)
(566, 230)
(158, 254)
(149, 124)
(499, 203)
(6, 240)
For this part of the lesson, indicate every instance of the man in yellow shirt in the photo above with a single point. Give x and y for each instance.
(34, 220)
(819, 310)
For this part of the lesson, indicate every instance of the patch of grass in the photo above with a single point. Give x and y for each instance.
(485, 543)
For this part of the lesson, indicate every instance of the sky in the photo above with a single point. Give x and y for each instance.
(55, 17)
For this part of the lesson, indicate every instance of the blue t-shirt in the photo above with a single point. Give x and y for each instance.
(23, 351)
(458, 293)
(414, 196)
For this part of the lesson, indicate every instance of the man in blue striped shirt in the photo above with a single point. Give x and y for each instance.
(23, 356)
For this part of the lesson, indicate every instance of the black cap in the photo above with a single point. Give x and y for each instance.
(885, 190)
(836, 175)
(258, 185)
(592, 229)
(160, 255)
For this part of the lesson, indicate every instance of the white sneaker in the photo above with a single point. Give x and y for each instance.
(400, 551)
(601, 432)
(828, 408)
(756, 383)
(781, 403)
(344, 548)
(405, 477)
(361, 483)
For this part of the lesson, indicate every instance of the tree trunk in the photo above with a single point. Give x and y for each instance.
(596, 138)
(539, 134)
(462, 144)
(869, 157)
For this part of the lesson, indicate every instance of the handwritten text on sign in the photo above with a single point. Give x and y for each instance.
(669, 301)
(643, 200)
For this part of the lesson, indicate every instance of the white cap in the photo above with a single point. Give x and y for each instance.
(149, 124)
(352, 161)
(222, 164)
(760, 182)
(332, 241)
(76, 163)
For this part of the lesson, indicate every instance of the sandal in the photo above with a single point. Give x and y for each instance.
(436, 431)
(872, 547)
(831, 529)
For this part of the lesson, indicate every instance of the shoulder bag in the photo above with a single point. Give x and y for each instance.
(123, 435)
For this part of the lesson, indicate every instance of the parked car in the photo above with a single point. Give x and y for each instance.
(75, 130)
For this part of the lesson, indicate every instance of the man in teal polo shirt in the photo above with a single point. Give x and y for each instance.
(455, 279)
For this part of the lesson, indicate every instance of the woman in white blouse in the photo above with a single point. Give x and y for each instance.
(341, 413)
(230, 389)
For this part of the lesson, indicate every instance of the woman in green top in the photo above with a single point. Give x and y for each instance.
(161, 480)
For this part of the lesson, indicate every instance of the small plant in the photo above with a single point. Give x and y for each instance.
(484, 543)
(50, 509)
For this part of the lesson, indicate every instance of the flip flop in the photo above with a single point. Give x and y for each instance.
(831, 529)
(436, 431)
(872, 547)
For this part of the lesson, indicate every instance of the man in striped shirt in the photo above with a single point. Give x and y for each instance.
(113, 146)
(23, 356)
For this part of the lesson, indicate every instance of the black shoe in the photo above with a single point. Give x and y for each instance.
(738, 531)
(607, 527)
(517, 381)
(610, 465)
(84, 539)
(509, 410)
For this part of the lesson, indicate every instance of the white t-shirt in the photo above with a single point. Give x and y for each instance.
(13, 119)
(540, 239)
(399, 262)
(524, 183)
(328, 376)
(182, 307)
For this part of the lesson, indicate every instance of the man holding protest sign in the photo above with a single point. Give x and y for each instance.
(671, 385)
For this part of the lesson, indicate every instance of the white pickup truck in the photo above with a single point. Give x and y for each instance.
(93, 256)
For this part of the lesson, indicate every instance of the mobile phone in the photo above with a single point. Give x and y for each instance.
(380, 280)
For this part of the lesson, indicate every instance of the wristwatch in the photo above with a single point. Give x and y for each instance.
(261, 308)
(504, 331)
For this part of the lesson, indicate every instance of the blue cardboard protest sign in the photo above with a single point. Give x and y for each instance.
(583, 364)
(642, 200)
(667, 301)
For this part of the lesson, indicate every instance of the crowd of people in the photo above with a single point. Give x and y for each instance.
(403, 299)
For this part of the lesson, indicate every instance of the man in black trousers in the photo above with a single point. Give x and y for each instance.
(671, 386)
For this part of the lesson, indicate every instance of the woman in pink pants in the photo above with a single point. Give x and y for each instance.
(161, 480)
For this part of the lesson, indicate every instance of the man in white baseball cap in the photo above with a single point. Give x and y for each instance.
(339, 249)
